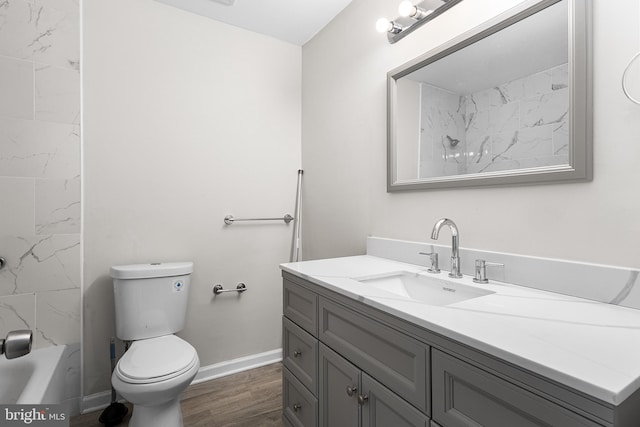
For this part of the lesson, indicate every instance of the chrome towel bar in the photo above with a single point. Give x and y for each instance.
(229, 219)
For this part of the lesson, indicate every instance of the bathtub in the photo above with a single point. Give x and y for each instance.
(40, 377)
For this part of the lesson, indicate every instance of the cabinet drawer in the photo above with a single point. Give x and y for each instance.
(300, 408)
(301, 306)
(464, 395)
(300, 353)
(394, 359)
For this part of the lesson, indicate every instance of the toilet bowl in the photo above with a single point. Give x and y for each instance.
(152, 375)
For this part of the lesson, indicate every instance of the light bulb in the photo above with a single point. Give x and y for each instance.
(383, 25)
(406, 8)
(409, 10)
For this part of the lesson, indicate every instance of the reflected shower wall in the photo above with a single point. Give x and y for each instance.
(520, 124)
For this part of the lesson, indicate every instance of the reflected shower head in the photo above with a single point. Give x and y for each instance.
(18, 343)
(452, 142)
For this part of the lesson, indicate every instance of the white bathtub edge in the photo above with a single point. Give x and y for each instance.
(47, 378)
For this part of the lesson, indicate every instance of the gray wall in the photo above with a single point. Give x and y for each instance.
(187, 120)
(344, 151)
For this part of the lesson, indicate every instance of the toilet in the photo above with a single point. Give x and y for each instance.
(151, 305)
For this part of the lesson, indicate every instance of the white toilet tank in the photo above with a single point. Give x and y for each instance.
(150, 299)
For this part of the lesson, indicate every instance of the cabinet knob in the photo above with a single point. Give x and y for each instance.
(296, 407)
(297, 353)
(351, 390)
(362, 399)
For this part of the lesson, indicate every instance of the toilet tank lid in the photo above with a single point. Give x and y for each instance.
(156, 269)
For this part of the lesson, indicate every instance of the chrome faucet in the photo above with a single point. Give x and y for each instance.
(16, 344)
(455, 256)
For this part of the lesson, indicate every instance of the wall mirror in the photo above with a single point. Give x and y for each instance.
(507, 103)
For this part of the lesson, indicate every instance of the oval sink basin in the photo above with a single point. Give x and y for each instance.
(425, 289)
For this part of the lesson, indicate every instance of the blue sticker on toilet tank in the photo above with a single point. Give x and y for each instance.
(178, 285)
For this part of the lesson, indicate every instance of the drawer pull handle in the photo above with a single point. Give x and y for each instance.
(351, 390)
(296, 407)
(297, 353)
(362, 399)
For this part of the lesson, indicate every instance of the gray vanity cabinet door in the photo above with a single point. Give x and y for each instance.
(300, 305)
(337, 407)
(466, 396)
(383, 408)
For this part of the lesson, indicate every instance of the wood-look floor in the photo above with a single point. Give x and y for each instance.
(247, 399)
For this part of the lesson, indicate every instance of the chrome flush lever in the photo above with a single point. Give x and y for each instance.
(433, 256)
(481, 270)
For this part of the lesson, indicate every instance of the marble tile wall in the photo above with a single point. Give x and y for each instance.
(519, 124)
(40, 169)
(443, 145)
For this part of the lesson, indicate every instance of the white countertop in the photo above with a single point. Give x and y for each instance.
(590, 346)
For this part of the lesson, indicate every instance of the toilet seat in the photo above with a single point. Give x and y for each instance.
(156, 359)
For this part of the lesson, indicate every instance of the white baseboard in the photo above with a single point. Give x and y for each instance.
(222, 369)
(99, 401)
(95, 402)
(73, 406)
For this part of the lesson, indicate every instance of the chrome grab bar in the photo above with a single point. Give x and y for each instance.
(229, 219)
(218, 289)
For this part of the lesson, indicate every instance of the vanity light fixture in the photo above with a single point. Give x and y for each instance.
(412, 16)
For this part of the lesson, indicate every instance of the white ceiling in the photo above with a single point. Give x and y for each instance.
(294, 21)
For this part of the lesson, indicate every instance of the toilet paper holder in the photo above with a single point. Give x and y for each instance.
(218, 289)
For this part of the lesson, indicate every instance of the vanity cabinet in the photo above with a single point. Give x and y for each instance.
(331, 356)
(349, 364)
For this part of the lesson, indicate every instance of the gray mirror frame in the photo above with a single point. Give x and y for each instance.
(580, 168)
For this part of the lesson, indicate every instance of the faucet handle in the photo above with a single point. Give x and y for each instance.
(481, 270)
(433, 256)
